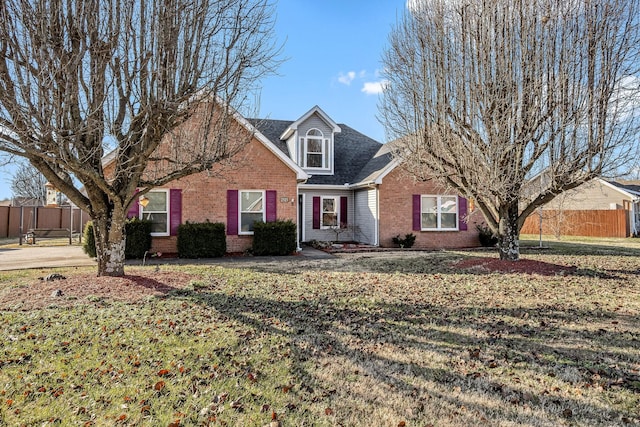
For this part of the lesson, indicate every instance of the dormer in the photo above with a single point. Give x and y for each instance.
(310, 140)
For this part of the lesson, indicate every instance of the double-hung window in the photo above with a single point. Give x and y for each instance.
(439, 213)
(251, 209)
(330, 212)
(157, 211)
(315, 150)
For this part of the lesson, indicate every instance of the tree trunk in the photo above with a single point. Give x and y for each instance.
(109, 233)
(509, 233)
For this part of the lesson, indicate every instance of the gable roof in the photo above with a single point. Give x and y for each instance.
(378, 167)
(356, 156)
(278, 149)
(293, 126)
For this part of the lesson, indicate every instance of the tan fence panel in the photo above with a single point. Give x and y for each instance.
(594, 223)
(40, 217)
(4, 221)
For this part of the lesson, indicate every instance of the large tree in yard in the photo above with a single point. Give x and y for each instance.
(83, 78)
(485, 95)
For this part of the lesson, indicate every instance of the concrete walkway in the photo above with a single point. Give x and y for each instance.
(24, 257)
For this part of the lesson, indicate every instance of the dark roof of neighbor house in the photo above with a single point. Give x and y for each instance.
(356, 156)
(633, 185)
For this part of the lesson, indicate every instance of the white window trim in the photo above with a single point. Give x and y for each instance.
(264, 210)
(326, 147)
(439, 212)
(336, 203)
(168, 212)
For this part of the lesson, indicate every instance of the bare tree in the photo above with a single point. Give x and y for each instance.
(29, 183)
(484, 95)
(79, 79)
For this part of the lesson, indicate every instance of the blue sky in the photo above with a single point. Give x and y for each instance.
(333, 50)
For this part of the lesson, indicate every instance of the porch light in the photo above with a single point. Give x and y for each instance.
(143, 201)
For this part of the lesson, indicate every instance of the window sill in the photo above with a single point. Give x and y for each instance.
(318, 171)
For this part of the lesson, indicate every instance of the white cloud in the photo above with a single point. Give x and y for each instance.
(347, 78)
(374, 88)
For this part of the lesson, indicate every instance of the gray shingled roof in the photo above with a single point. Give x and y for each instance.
(633, 186)
(357, 156)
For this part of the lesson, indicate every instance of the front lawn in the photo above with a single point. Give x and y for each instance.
(384, 339)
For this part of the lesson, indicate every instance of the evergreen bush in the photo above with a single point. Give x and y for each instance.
(138, 232)
(138, 238)
(405, 242)
(274, 238)
(486, 236)
(201, 240)
(89, 240)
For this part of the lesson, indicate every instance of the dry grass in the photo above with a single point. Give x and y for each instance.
(361, 340)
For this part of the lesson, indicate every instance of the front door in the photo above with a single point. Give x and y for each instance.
(300, 220)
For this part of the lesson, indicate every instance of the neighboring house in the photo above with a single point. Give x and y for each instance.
(335, 183)
(589, 203)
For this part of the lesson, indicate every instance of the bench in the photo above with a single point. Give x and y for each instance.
(47, 233)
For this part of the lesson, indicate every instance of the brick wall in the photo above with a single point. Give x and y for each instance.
(396, 214)
(204, 195)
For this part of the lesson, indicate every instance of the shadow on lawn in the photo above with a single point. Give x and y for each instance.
(476, 341)
(433, 262)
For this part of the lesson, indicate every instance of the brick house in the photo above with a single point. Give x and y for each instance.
(334, 182)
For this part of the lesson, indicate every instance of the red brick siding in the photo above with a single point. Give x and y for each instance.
(396, 214)
(204, 195)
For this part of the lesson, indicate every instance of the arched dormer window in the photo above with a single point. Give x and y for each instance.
(313, 149)
(316, 150)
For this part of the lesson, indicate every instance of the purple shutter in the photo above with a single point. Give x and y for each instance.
(316, 212)
(232, 212)
(417, 226)
(134, 209)
(272, 205)
(344, 219)
(462, 213)
(175, 210)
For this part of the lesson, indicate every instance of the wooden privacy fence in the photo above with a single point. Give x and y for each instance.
(15, 221)
(592, 223)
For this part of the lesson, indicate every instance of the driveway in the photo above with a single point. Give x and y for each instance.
(17, 258)
(43, 257)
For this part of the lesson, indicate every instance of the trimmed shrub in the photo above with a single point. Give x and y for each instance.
(486, 236)
(138, 238)
(138, 233)
(201, 240)
(274, 238)
(405, 242)
(89, 240)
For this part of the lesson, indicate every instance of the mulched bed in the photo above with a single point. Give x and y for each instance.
(87, 288)
(526, 266)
